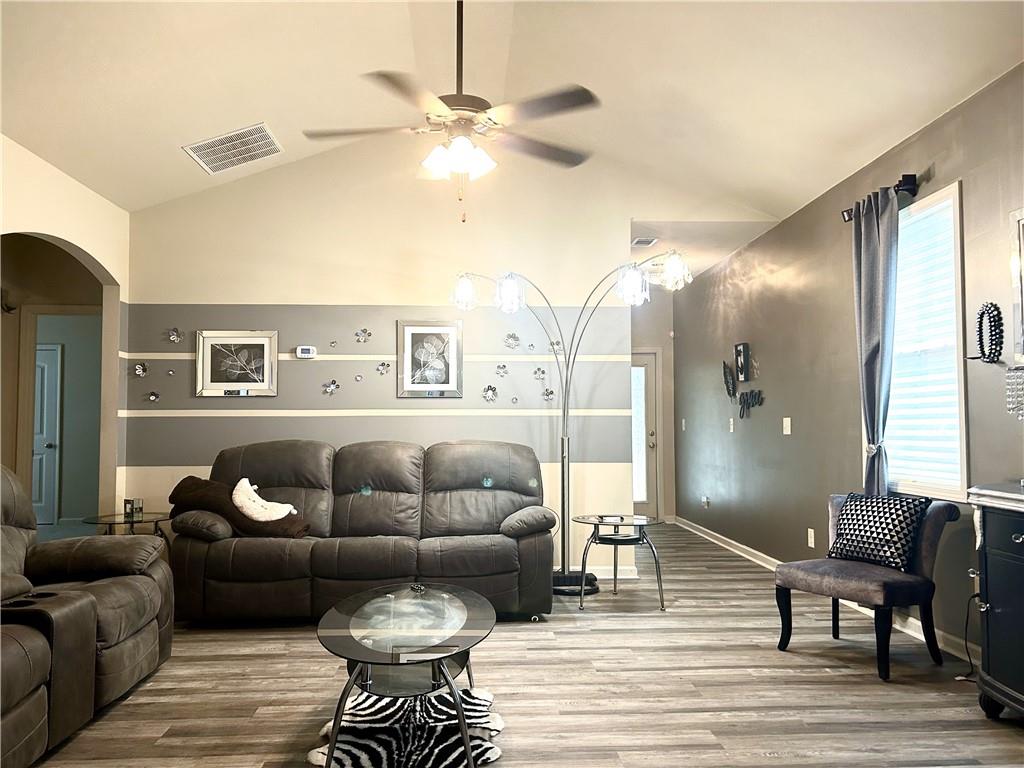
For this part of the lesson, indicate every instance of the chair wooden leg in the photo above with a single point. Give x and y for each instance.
(835, 618)
(783, 599)
(883, 630)
(928, 627)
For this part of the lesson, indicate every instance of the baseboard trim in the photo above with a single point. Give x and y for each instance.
(605, 571)
(951, 644)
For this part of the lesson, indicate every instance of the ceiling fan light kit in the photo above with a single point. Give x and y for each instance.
(466, 120)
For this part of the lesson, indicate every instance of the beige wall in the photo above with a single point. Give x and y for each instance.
(37, 197)
(651, 328)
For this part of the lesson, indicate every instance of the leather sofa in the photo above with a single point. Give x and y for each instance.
(467, 513)
(84, 620)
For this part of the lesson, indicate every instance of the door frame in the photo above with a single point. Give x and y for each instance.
(28, 322)
(659, 406)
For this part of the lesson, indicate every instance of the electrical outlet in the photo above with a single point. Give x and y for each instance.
(732, 424)
(682, 424)
(787, 425)
(810, 538)
(705, 502)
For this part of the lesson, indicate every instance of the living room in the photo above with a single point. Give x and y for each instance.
(417, 383)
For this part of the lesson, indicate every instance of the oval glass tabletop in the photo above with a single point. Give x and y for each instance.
(406, 624)
(639, 520)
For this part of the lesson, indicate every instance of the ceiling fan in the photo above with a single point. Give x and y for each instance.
(463, 118)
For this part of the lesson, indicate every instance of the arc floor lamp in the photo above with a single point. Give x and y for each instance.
(631, 282)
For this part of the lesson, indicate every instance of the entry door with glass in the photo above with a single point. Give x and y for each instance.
(643, 392)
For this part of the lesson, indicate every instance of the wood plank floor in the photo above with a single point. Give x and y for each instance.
(619, 685)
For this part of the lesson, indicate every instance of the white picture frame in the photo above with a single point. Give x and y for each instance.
(236, 363)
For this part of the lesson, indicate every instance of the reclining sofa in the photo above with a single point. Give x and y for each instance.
(84, 620)
(463, 513)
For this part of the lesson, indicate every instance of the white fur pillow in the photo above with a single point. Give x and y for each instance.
(255, 507)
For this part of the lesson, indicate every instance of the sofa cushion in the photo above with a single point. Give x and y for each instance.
(296, 472)
(259, 559)
(471, 486)
(377, 489)
(124, 605)
(24, 663)
(365, 557)
(864, 583)
(479, 555)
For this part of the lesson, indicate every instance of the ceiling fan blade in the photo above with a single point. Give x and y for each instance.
(573, 97)
(541, 149)
(405, 86)
(349, 132)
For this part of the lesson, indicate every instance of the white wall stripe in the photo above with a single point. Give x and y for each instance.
(351, 412)
(469, 358)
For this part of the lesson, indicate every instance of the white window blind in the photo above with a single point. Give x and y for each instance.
(924, 435)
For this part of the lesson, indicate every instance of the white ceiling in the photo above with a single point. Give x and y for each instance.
(761, 106)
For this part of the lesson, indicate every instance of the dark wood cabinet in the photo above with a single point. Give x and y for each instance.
(1001, 566)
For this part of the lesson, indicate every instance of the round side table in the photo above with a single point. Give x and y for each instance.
(635, 538)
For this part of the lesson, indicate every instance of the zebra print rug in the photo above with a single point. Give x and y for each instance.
(416, 732)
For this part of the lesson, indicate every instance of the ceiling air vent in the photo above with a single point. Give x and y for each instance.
(644, 242)
(234, 149)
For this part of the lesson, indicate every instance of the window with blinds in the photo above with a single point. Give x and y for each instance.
(924, 435)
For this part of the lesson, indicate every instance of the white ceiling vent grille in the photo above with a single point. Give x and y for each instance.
(234, 149)
(644, 242)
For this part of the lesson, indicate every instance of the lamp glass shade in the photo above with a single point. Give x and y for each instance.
(436, 163)
(674, 273)
(509, 296)
(632, 285)
(464, 295)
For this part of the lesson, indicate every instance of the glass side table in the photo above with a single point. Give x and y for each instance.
(635, 538)
(406, 640)
(149, 518)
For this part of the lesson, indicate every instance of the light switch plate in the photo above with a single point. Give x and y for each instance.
(787, 425)
(732, 424)
(705, 502)
(682, 424)
(810, 538)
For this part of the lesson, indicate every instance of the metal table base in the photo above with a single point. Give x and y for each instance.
(616, 540)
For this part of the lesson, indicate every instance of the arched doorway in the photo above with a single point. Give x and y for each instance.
(60, 326)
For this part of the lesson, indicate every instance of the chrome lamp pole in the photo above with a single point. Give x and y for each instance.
(632, 284)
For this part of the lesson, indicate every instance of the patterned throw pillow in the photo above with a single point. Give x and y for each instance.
(879, 529)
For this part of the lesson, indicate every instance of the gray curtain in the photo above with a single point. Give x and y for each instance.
(875, 230)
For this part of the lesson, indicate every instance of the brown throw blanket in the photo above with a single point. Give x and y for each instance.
(195, 493)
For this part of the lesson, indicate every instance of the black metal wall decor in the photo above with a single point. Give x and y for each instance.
(730, 380)
(990, 333)
(748, 400)
(742, 354)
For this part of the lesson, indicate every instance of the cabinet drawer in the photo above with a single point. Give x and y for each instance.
(1001, 528)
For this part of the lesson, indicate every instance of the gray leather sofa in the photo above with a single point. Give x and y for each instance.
(466, 513)
(84, 620)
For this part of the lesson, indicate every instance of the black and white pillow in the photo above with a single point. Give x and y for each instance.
(879, 529)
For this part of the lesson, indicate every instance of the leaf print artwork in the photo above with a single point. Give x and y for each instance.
(236, 363)
(430, 359)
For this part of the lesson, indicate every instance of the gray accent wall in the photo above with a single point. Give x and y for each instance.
(789, 294)
(194, 429)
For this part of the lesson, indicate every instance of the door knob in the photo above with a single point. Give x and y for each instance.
(1017, 538)
(51, 446)
(984, 607)
(973, 573)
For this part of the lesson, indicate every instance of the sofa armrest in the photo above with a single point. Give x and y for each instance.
(91, 557)
(200, 524)
(528, 520)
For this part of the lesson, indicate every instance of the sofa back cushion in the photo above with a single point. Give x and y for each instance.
(296, 472)
(377, 489)
(471, 486)
(19, 523)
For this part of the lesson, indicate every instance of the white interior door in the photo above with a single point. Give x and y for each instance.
(46, 434)
(643, 396)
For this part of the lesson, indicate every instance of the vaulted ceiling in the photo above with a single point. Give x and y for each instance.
(761, 105)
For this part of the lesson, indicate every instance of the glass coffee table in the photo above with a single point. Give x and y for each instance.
(149, 518)
(634, 538)
(406, 640)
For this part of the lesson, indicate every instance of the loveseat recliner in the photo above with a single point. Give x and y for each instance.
(467, 513)
(84, 620)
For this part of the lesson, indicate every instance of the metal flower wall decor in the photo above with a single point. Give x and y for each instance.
(330, 387)
(490, 393)
(383, 368)
(363, 335)
(512, 340)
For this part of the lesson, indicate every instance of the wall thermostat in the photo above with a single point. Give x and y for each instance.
(305, 352)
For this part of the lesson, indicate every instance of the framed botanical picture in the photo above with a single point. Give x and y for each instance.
(430, 358)
(236, 363)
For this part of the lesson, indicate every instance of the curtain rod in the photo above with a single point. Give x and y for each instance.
(907, 183)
